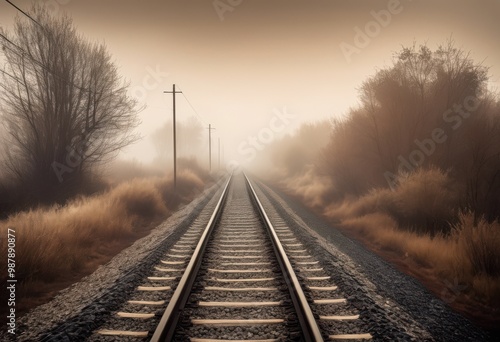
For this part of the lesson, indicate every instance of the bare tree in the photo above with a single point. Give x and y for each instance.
(64, 104)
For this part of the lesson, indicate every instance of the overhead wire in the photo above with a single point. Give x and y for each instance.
(22, 53)
(23, 12)
(40, 64)
(192, 107)
(11, 76)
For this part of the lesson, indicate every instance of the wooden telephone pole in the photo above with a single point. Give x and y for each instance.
(210, 128)
(173, 92)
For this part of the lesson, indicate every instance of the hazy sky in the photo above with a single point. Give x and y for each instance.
(239, 62)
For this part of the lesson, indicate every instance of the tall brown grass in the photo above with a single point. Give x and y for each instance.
(479, 244)
(53, 244)
(469, 255)
(466, 252)
(425, 201)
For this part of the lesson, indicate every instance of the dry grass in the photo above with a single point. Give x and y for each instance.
(380, 200)
(120, 171)
(469, 255)
(55, 244)
(480, 243)
(309, 186)
(381, 230)
(417, 227)
(424, 201)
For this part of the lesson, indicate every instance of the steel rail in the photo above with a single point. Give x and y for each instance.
(306, 318)
(166, 328)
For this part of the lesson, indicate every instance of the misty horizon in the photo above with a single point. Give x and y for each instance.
(238, 65)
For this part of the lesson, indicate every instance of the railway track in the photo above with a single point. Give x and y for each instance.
(236, 274)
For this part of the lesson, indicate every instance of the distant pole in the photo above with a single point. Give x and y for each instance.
(219, 156)
(210, 147)
(174, 137)
(173, 92)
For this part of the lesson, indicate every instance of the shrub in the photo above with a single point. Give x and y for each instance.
(479, 244)
(427, 201)
(140, 197)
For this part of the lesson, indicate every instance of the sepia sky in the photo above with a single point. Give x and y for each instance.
(239, 64)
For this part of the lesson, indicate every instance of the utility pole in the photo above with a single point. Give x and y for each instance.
(219, 156)
(173, 92)
(210, 147)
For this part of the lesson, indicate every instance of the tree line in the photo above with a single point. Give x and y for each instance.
(429, 110)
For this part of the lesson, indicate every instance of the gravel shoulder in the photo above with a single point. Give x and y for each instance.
(412, 306)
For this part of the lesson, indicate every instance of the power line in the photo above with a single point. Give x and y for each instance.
(23, 52)
(40, 64)
(9, 41)
(3, 71)
(192, 107)
(10, 75)
(23, 12)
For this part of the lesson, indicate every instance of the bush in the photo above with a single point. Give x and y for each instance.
(140, 198)
(426, 201)
(479, 244)
(468, 256)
